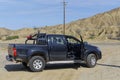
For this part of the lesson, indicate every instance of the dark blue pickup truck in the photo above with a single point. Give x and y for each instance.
(52, 47)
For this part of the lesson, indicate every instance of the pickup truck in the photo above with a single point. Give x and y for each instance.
(52, 47)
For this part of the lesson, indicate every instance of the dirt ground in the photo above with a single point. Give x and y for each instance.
(108, 68)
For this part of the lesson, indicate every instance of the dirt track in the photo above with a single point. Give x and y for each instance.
(107, 69)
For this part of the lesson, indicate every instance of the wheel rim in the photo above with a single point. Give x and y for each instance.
(93, 60)
(37, 64)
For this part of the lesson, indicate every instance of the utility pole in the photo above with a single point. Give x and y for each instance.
(64, 16)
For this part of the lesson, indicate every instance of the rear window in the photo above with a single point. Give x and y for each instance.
(41, 39)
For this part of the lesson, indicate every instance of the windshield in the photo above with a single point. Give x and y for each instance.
(72, 40)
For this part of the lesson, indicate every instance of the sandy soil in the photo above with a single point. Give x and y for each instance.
(108, 68)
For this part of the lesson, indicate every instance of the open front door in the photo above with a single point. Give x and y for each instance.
(74, 46)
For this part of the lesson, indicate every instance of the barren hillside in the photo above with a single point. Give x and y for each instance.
(101, 26)
(4, 32)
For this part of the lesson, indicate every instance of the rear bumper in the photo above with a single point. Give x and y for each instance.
(9, 58)
(17, 59)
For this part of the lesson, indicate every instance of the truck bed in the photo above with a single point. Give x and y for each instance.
(23, 50)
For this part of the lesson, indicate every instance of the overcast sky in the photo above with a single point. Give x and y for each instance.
(16, 14)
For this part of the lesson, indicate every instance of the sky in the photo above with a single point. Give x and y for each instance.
(17, 14)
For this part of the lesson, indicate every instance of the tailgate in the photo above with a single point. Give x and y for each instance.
(11, 52)
(16, 52)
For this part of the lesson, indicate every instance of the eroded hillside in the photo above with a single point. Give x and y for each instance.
(101, 26)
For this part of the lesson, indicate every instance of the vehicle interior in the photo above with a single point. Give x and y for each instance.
(74, 47)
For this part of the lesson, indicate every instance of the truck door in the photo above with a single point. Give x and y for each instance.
(57, 47)
(74, 46)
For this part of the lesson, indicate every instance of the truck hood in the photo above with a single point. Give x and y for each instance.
(89, 46)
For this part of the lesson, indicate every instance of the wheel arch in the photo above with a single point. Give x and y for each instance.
(39, 53)
(91, 52)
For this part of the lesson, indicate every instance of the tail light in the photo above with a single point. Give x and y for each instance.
(14, 52)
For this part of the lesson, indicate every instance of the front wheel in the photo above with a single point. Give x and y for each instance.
(36, 63)
(91, 60)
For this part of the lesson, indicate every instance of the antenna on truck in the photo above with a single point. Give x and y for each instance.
(38, 33)
(81, 38)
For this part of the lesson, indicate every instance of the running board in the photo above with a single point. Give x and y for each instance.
(70, 61)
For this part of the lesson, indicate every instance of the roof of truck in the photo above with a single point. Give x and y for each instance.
(59, 35)
(56, 35)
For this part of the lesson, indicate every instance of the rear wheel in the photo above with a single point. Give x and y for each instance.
(36, 63)
(91, 60)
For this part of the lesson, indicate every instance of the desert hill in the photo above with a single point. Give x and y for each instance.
(101, 26)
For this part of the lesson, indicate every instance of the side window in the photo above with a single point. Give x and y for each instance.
(72, 40)
(41, 39)
(56, 40)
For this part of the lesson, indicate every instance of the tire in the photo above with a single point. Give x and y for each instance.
(36, 63)
(24, 64)
(91, 60)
